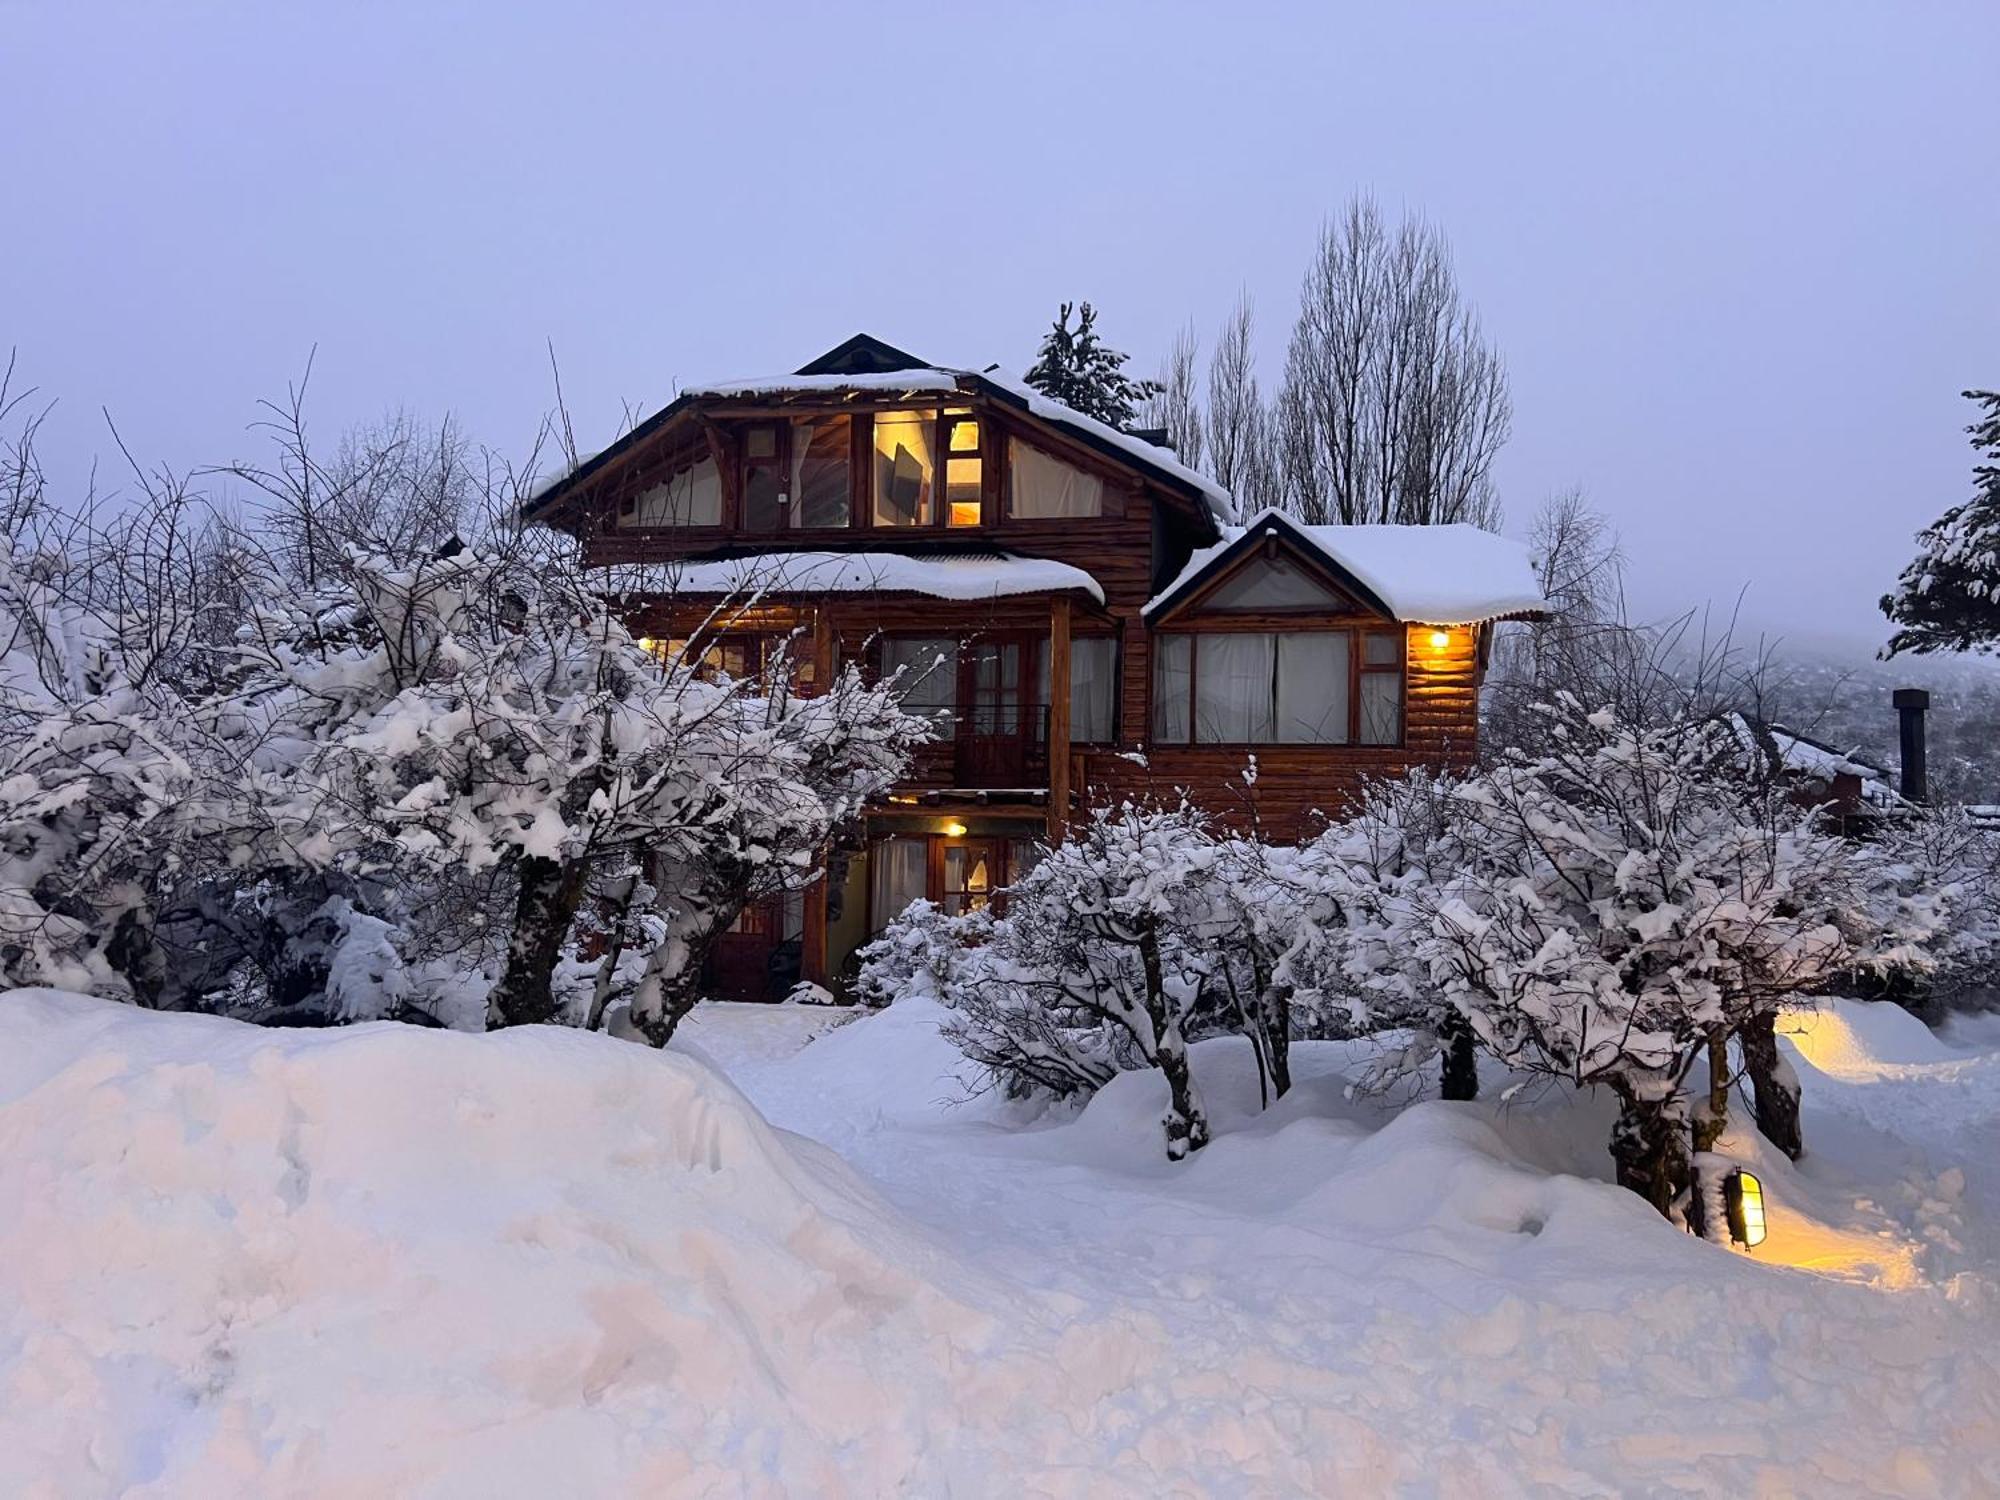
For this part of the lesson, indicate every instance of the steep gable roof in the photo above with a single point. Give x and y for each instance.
(863, 363)
(1434, 575)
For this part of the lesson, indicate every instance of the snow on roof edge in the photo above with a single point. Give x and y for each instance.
(1434, 575)
(961, 578)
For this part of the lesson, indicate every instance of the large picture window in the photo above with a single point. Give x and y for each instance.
(929, 682)
(1287, 687)
(905, 467)
(899, 874)
(1093, 687)
(822, 477)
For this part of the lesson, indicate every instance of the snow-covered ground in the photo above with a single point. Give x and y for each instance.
(395, 1261)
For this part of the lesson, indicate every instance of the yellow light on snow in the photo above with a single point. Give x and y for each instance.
(954, 830)
(1440, 639)
(1746, 1208)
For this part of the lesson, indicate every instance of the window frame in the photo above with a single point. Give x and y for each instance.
(1274, 623)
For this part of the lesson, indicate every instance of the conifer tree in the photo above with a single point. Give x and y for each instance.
(1948, 599)
(1076, 368)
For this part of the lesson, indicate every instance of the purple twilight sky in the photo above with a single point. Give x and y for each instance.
(1740, 259)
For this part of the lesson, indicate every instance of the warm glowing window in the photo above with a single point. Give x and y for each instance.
(968, 877)
(905, 467)
(964, 489)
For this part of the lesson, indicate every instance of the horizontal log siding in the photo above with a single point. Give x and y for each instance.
(1298, 786)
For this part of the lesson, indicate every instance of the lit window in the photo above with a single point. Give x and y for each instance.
(964, 489)
(1294, 687)
(904, 468)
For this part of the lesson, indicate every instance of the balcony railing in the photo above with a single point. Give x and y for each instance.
(1001, 744)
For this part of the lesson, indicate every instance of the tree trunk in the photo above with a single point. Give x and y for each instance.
(671, 985)
(1277, 1008)
(1707, 1215)
(1185, 1123)
(543, 912)
(614, 949)
(1774, 1086)
(1712, 1118)
(1458, 1075)
(1649, 1143)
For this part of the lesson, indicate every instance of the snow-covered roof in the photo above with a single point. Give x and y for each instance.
(985, 575)
(922, 380)
(1435, 575)
(779, 385)
(1801, 755)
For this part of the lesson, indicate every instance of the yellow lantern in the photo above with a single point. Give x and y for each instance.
(1746, 1208)
(954, 830)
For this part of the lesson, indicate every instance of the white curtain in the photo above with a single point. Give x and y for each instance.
(692, 497)
(1381, 708)
(1093, 688)
(899, 873)
(1232, 686)
(1312, 687)
(1173, 657)
(1042, 488)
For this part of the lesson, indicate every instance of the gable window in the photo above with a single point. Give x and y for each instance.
(690, 496)
(1288, 687)
(964, 487)
(822, 478)
(1272, 583)
(904, 468)
(1041, 487)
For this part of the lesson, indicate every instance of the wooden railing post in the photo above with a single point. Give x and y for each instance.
(1058, 717)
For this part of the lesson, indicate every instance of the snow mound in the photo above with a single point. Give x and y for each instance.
(1855, 1038)
(384, 1260)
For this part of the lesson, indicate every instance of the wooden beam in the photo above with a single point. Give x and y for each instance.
(822, 651)
(1058, 717)
(812, 941)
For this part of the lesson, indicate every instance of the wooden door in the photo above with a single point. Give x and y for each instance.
(994, 715)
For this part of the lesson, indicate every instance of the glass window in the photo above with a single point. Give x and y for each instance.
(968, 877)
(1233, 678)
(929, 681)
(691, 497)
(964, 490)
(821, 474)
(1384, 649)
(1041, 487)
(1381, 708)
(1173, 666)
(904, 468)
(1272, 583)
(1093, 687)
(1312, 687)
(899, 873)
(763, 479)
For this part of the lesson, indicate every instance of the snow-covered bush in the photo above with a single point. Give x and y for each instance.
(1941, 856)
(918, 954)
(1616, 909)
(1117, 927)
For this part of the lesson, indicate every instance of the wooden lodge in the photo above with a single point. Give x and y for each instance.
(1086, 619)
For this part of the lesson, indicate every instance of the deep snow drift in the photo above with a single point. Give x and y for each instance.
(386, 1260)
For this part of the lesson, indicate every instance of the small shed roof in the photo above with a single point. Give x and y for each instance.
(1436, 575)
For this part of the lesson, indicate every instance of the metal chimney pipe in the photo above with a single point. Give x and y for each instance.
(1910, 706)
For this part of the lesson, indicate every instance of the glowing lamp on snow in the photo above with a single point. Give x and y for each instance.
(1745, 1198)
(954, 830)
(1440, 639)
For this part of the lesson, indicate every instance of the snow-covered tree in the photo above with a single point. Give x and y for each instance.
(1074, 366)
(1621, 906)
(1119, 924)
(1948, 599)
